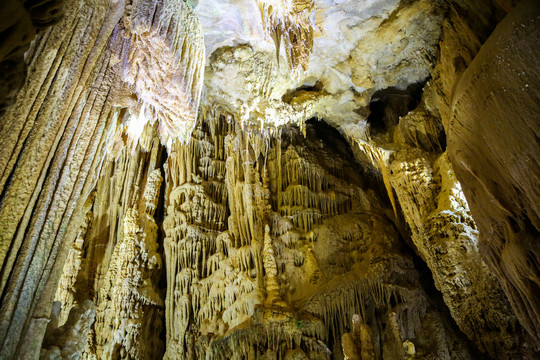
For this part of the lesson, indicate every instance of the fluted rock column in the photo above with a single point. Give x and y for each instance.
(493, 143)
(84, 73)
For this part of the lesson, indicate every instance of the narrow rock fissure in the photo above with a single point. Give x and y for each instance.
(159, 216)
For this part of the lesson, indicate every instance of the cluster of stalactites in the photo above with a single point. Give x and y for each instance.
(162, 61)
(307, 193)
(335, 310)
(290, 22)
(195, 249)
(129, 301)
(237, 227)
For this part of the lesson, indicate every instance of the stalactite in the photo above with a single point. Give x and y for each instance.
(161, 61)
(196, 214)
(119, 268)
(290, 21)
(296, 252)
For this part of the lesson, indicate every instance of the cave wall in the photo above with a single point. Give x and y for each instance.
(51, 148)
(250, 238)
(493, 144)
(54, 137)
(20, 21)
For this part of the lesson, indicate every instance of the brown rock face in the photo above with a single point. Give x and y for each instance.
(19, 22)
(493, 142)
(174, 185)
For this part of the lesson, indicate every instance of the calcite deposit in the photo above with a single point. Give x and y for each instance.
(269, 179)
(500, 174)
(20, 21)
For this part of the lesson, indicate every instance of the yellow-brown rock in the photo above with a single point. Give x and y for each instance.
(263, 179)
(493, 142)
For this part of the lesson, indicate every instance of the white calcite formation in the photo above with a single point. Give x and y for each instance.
(356, 49)
(269, 179)
(290, 22)
(162, 66)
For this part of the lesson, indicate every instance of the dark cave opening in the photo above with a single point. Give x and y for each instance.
(437, 301)
(388, 105)
(331, 137)
(368, 175)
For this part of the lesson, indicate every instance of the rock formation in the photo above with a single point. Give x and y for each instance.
(175, 185)
(54, 136)
(497, 101)
(20, 21)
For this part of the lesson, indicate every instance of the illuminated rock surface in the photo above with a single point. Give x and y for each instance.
(497, 100)
(269, 179)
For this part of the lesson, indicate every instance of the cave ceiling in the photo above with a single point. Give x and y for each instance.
(269, 179)
(354, 50)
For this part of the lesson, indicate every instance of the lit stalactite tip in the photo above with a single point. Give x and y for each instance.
(290, 22)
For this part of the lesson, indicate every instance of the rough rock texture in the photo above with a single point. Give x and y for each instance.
(422, 186)
(53, 138)
(19, 22)
(302, 205)
(116, 262)
(493, 142)
(358, 48)
(272, 245)
(128, 301)
(69, 340)
(445, 236)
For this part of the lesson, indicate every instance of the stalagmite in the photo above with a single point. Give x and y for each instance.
(270, 268)
(195, 216)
